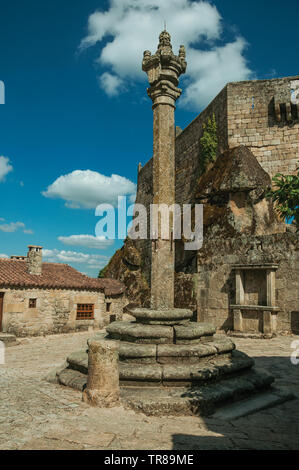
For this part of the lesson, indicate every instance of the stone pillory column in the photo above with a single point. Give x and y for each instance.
(163, 70)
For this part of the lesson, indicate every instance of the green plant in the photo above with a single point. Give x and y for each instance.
(102, 273)
(285, 195)
(208, 143)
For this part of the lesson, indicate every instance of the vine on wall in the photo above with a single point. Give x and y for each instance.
(208, 143)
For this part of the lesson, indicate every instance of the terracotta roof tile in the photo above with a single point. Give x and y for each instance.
(13, 273)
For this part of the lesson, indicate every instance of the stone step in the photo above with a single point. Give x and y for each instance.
(173, 353)
(200, 350)
(184, 374)
(138, 333)
(203, 399)
(8, 339)
(193, 332)
(78, 360)
(199, 401)
(190, 333)
(72, 378)
(253, 404)
(163, 354)
(157, 374)
(171, 316)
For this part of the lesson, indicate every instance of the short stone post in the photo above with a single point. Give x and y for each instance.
(103, 376)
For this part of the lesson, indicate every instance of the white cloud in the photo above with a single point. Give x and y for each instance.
(14, 227)
(5, 167)
(3, 256)
(111, 84)
(87, 189)
(90, 261)
(129, 27)
(87, 241)
(209, 71)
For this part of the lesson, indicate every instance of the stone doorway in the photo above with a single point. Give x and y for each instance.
(1, 309)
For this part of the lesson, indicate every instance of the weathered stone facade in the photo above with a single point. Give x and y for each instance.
(274, 142)
(55, 311)
(46, 298)
(216, 279)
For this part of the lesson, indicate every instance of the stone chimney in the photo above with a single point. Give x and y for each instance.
(18, 258)
(34, 260)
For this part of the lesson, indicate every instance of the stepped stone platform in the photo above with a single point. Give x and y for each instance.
(169, 365)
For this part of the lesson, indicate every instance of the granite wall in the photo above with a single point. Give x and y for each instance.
(245, 115)
(55, 311)
(252, 121)
(216, 279)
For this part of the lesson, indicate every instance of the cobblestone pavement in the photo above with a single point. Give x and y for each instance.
(35, 414)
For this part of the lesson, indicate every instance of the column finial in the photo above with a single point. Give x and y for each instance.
(164, 69)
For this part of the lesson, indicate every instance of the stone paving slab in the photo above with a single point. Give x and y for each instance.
(35, 414)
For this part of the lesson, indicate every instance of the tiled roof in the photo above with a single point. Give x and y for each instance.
(13, 273)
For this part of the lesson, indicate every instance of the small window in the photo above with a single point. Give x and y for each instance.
(112, 318)
(32, 303)
(85, 311)
(108, 307)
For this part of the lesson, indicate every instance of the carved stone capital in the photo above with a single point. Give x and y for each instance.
(164, 92)
(163, 70)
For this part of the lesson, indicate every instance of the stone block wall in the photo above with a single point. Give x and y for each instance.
(114, 311)
(274, 143)
(216, 279)
(55, 311)
(188, 147)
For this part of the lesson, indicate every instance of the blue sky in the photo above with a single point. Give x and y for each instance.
(76, 101)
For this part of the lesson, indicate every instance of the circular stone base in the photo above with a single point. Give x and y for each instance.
(200, 401)
(171, 316)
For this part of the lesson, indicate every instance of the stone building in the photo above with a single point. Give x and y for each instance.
(246, 275)
(38, 298)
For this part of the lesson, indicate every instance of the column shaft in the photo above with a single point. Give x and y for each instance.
(162, 270)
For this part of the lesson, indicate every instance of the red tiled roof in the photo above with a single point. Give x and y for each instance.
(13, 273)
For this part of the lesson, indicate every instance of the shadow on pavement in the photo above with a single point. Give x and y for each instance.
(275, 428)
